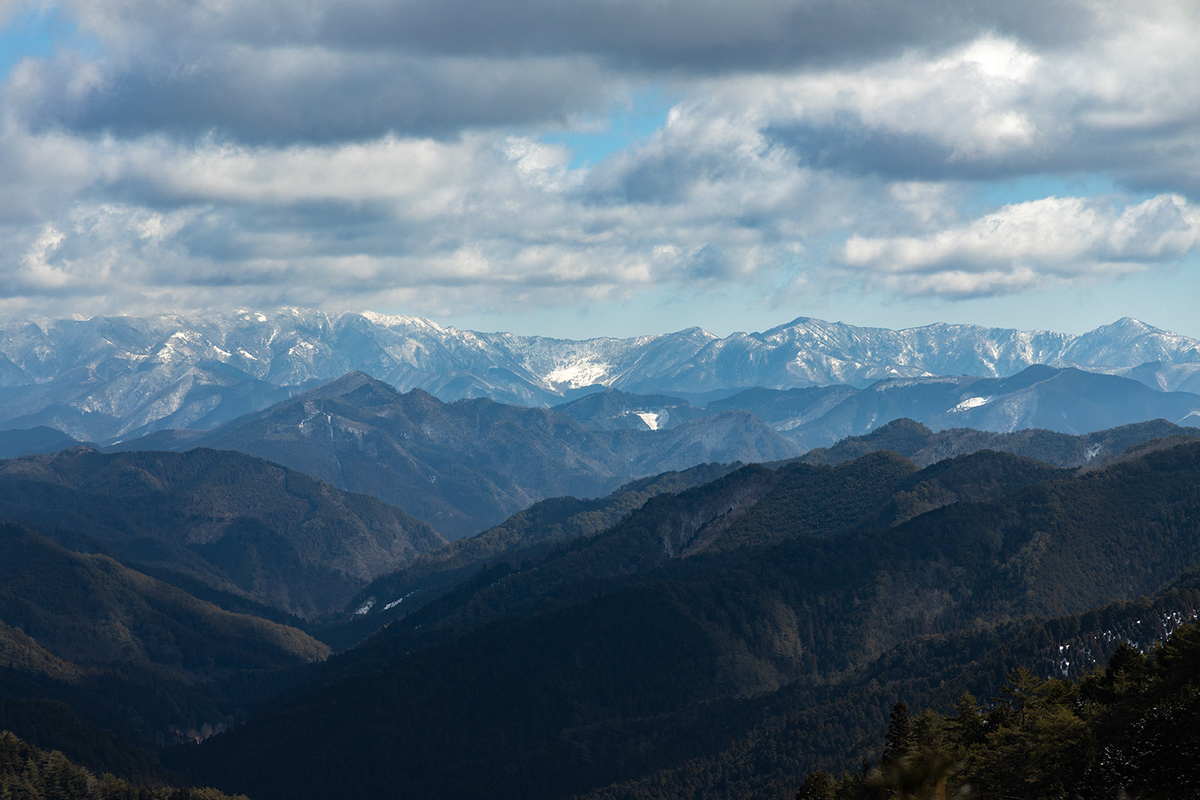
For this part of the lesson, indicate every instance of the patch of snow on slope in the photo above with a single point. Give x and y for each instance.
(365, 607)
(972, 402)
(905, 384)
(650, 418)
(579, 374)
(395, 603)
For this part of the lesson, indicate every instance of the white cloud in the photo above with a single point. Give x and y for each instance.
(969, 101)
(1028, 245)
(1121, 101)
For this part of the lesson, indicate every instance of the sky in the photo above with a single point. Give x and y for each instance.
(605, 167)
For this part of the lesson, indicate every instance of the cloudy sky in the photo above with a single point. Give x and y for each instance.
(605, 166)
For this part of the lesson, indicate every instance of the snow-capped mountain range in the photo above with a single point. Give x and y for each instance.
(108, 378)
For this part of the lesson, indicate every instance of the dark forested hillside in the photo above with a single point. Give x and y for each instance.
(835, 729)
(224, 519)
(1129, 730)
(52, 725)
(130, 653)
(89, 609)
(674, 635)
(525, 535)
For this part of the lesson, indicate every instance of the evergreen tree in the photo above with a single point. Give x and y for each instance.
(899, 736)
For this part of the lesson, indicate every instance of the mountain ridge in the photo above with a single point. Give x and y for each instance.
(109, 378)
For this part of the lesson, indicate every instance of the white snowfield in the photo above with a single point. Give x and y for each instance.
(107, 378)
(650, 418)
(972, 402)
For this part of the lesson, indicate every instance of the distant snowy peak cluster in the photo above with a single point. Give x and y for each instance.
(118, 376)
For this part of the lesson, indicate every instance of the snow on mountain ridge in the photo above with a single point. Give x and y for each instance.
(133, 373)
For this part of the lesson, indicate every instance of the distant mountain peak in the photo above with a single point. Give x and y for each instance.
(1130, 325)
(351, 382)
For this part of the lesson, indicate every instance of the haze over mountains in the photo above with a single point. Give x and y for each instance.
(109, 378)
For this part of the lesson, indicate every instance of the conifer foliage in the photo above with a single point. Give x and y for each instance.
(1131, 730)
(30, 773)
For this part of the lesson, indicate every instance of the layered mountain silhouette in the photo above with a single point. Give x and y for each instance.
(1040, 397)
(468, 465)
(1063, 400)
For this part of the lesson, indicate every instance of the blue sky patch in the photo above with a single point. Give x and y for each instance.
(627, 125)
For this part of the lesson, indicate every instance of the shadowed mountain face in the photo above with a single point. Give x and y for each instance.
(230, 521)
(468, 465)
(766, 594)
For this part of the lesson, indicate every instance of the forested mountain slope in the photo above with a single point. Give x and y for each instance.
(798, 729)
(30, 772)
(1129, 730)
(523, 536)
(597, 663)
(129, 652)
(227, 520)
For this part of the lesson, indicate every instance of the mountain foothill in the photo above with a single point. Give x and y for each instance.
(298, 555)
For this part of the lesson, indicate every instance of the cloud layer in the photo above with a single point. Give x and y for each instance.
(392, 155)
